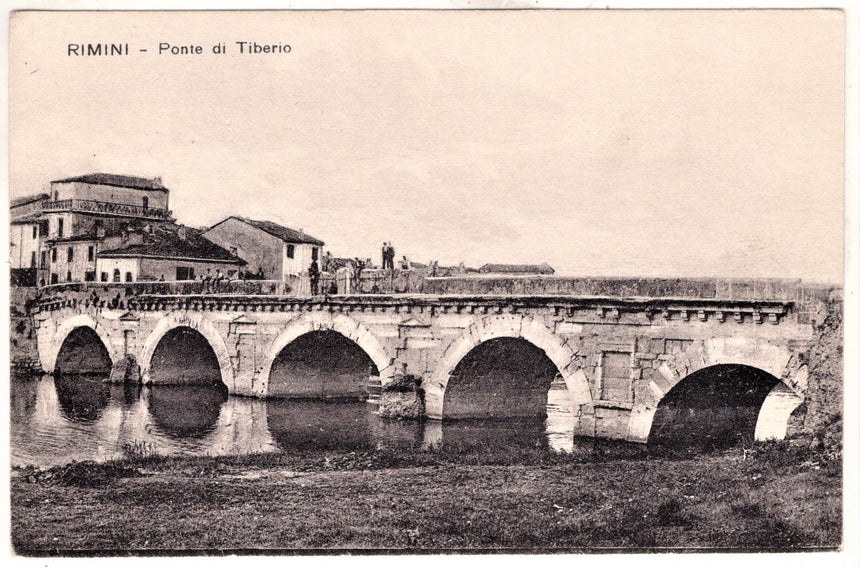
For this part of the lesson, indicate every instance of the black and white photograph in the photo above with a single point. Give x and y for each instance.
(431, 281)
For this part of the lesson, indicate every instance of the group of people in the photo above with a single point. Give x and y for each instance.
(212, 282)
(387, 256)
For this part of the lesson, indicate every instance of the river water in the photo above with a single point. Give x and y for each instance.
(57, 420)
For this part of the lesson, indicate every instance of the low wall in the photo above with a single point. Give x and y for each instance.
(717, 288)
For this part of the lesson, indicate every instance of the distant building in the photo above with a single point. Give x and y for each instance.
(26, 232)
(516, 269)
(25, 206)
(270, 249)
(168, 252)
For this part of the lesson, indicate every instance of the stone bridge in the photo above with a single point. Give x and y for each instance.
(620, 358)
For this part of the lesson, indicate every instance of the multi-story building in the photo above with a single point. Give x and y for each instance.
(272, 251)
(86, 214)
(26, 233)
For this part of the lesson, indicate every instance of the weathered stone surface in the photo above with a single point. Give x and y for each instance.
(126, 370)
(394, 404)
(435, 333)
(823, 406)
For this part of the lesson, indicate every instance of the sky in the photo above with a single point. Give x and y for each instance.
(606, 143)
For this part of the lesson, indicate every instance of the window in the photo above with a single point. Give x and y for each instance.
(91, 253)
(146, 203)
(53, 255)
(60, 227)
(33, 259)
(116, 275)
(615, 376)
(291, 251)
(71, 254)
(184, 273)
(44, 259)
(90, 276)
(315, 253)
(104, 277)
(54, 278)
(128, 277)
(69, 276)
(35, 231)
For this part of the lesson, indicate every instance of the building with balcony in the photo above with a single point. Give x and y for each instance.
(272, 251)
(79, 205)
(87, 214)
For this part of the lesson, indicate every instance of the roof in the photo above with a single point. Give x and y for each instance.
(165, 242)
(34, 217)
(117, 181)
(284, 233)
(518, 268)
(74, 239)
(19, 201)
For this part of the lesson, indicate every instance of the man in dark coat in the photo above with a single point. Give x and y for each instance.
(314, 273)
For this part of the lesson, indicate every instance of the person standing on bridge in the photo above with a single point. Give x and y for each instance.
(314, 273)
(385, 250)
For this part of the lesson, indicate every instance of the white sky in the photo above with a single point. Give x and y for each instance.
(605, 143)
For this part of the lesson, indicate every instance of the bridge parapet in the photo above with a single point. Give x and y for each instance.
(631, 311)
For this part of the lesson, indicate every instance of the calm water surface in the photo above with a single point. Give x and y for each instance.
(56, 420)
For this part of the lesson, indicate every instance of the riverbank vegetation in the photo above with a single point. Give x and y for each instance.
(774, 496)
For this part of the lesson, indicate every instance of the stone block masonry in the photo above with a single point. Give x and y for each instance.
(618, 355)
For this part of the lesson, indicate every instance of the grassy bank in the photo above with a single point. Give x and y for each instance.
(777, 497)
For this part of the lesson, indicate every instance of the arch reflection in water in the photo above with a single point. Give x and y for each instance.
(716, 406)
(185, 411)
(82, 398)
(314, 424)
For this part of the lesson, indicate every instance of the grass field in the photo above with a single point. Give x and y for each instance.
(775, 497)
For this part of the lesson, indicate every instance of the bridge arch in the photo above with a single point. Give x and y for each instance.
(67, 327)
(310, 322)
(760, 356)
(199, 323)
(507, 326)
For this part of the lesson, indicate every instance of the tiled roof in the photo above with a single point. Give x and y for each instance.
(117, 181)
(19, 201)
(517, 268)
(284, 233)
(165, 242)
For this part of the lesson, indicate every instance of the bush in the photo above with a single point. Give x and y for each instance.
(138, 450)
